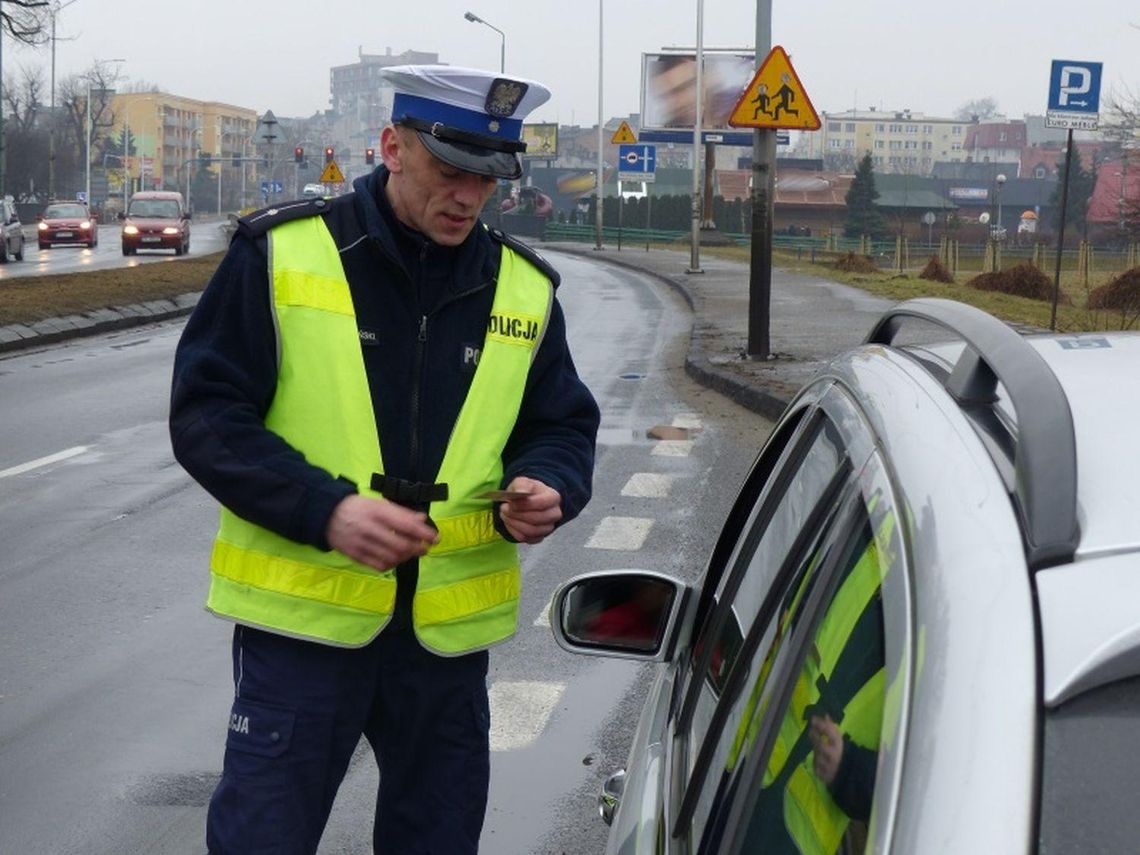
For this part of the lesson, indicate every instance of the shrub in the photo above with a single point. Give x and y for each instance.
(935, 271)
(1021, 280)
(1122, 292)
(852, 263)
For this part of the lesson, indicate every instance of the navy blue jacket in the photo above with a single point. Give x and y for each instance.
(422, 311)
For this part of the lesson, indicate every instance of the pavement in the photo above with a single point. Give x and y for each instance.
(811, 320)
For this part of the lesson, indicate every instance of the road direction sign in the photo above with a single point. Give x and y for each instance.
(637, 162)
(332, 174)
(271, 187)
(1074, 95)
(775, 98)
(80, 195)
(624, 134)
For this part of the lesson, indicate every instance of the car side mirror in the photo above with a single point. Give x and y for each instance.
(625, 613)
(121, 215)
(185, 215)
(39, 218)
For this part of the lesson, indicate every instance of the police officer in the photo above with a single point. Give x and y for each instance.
(378, 391)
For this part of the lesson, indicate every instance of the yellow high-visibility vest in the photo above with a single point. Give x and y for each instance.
(468, 589)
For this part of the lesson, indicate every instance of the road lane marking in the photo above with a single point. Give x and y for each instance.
(43, 461)
(687, 420)
(543, 618)
(647, 485)
(623, 533)
(673, 448)
(520, 711)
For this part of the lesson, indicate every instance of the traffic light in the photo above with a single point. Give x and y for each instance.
(298, 154)
(329, 154)
(236, 161)
(370, 156)
(203, 158)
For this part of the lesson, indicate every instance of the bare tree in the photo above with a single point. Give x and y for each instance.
(23, 98)
(25, 20)
(977, 109)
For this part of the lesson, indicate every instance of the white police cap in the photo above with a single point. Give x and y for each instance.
(466, 117)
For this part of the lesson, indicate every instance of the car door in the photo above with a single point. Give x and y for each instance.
(802, 529)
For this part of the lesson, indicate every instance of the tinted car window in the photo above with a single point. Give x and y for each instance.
(784, 528)
(818, 782)
(778, 517)
(162, 209)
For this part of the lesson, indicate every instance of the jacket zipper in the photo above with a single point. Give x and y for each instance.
(417, 373)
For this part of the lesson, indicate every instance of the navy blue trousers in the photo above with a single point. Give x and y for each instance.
(298, 714)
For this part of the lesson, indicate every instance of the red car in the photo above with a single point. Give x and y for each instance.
(156, 219)
(67, 222)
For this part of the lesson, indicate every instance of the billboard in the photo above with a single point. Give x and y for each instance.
(668, 89)
(541, 141)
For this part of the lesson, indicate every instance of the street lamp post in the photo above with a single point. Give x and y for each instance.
(475, 19)
(1000, 183)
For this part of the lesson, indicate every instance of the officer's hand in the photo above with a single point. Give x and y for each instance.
(532, 518)
(827, 740)
(378, 533)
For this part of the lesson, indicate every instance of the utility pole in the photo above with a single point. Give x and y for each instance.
(763, 191)
(698, 116)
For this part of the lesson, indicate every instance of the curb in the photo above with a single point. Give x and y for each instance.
(52, 330)
(751, 396)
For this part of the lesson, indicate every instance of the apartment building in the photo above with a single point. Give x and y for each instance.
(898, 142)
(168, 131)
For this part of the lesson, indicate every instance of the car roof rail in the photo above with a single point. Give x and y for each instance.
(1045, 456)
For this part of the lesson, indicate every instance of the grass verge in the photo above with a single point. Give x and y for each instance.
(1075, 317)
(27, 299)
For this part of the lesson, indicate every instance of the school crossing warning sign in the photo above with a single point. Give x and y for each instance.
(775, 98)
(624, 134)
(332, 174)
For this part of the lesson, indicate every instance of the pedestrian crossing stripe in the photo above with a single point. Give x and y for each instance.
(775, 98)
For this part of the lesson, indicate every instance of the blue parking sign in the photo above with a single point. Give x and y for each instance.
(1074, 95)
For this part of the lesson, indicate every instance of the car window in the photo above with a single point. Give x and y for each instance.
(802, 757)
(60, 211)
(775, 521)
(162, 209)
(784, 531)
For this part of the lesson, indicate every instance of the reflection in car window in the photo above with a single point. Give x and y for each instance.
(160, 209)
(765, 554)
(60, 211)
(802, 499)
(818, 780)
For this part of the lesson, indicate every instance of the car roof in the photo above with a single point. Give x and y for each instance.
(1079, 395)
(1100, 374)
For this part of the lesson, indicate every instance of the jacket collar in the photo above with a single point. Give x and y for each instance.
(474, 262)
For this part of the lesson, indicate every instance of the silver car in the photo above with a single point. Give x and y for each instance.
(11, 232)
(919, 630)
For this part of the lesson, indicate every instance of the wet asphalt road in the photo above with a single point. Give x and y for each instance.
(114, 683)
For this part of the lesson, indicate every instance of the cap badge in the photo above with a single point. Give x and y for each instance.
(504, 96)
(493, 126)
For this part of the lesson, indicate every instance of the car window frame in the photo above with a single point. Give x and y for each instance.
(767, 494)
(817, 536)
(899, 654)
(686, 779)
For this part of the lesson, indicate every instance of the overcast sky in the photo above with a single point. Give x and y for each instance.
(890, 54)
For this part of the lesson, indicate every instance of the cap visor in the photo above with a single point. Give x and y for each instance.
(471, 158)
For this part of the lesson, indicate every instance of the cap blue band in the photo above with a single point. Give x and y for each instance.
(425, 109)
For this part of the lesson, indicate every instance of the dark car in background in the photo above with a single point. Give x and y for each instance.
(156, 219)
(67, 222)
(11, 232)
(918, 629)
